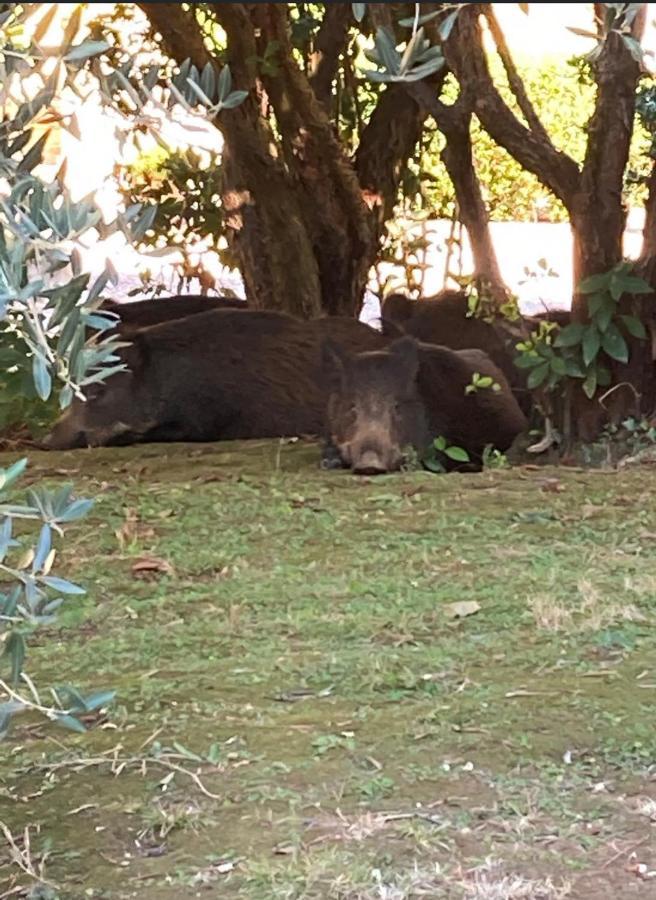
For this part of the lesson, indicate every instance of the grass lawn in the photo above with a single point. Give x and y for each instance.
(335, 687)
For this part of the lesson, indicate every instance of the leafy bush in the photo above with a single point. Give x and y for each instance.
(584, 350)
(185, 190)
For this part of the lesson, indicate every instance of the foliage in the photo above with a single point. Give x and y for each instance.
(435, 458)
(185, 190)
(582, 350)
(482, 382)
(32, 596)
(51, 331)
(494, 459)
(564, 102)
(418, 60)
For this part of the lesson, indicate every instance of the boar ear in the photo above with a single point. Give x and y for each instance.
(390, 328)
(406, 352)
(334, 358)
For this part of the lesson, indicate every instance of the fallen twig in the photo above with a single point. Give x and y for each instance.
(118, 764)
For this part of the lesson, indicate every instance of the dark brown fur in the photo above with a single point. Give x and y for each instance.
(217, 375)
(443, 320)
(157, 310)
(230, 374)
(410, 393)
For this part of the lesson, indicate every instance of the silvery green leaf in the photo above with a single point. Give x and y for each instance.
(144, 222)
(42, 377)
(200, 94)
(225, 83)
(65, 396)
(11, 602)
(69, 331)
(98, 700)
(387, 50)
(382, 77)
(60, 584)
(85, 50)
(103, 374)
(52, 606)
(410, 21)
(634, 47)
(414, 46)
(43, 546)
(111, 271)
(208, 80)
(101, 322)
(359, 11)
(14, 649)
(77, 510)
(234, 99)
(446, 27)
(151, 77)
(71, 723)
(97, 288)
(422, 71)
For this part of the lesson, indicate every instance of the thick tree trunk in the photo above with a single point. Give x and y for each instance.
(598, 218)
(304, 220)
(259, 199)
(334, 212)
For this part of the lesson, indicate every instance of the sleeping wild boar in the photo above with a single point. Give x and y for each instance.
(381, 402)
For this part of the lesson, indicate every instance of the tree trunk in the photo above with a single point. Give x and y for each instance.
(472, 212)
(598, 219)
(259, 198)
(304, 220)
(334, 213)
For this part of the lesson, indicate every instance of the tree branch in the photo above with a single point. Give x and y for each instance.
(514, 78)
(329, 45)
(387, 142)
(554, 168)
(258, 197)
(181, 37)
(454, 123)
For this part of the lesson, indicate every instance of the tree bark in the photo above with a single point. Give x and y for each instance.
(597, 212)
(334, 212)
(258, 198)
(329, 45)
(466, 57)
(305, 221)
(454, 123)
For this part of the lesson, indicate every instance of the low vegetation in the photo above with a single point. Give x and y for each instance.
(338, 687)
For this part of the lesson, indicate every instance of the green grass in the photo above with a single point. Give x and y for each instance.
(293, 646)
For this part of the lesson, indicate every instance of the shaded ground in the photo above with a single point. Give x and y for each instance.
(284, 640)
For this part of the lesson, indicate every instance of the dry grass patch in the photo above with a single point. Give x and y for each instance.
(593, 612)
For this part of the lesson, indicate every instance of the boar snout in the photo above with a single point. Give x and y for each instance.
(375, 461)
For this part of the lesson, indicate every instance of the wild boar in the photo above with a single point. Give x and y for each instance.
(231, 374)
(156, 310)
(381, 402)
